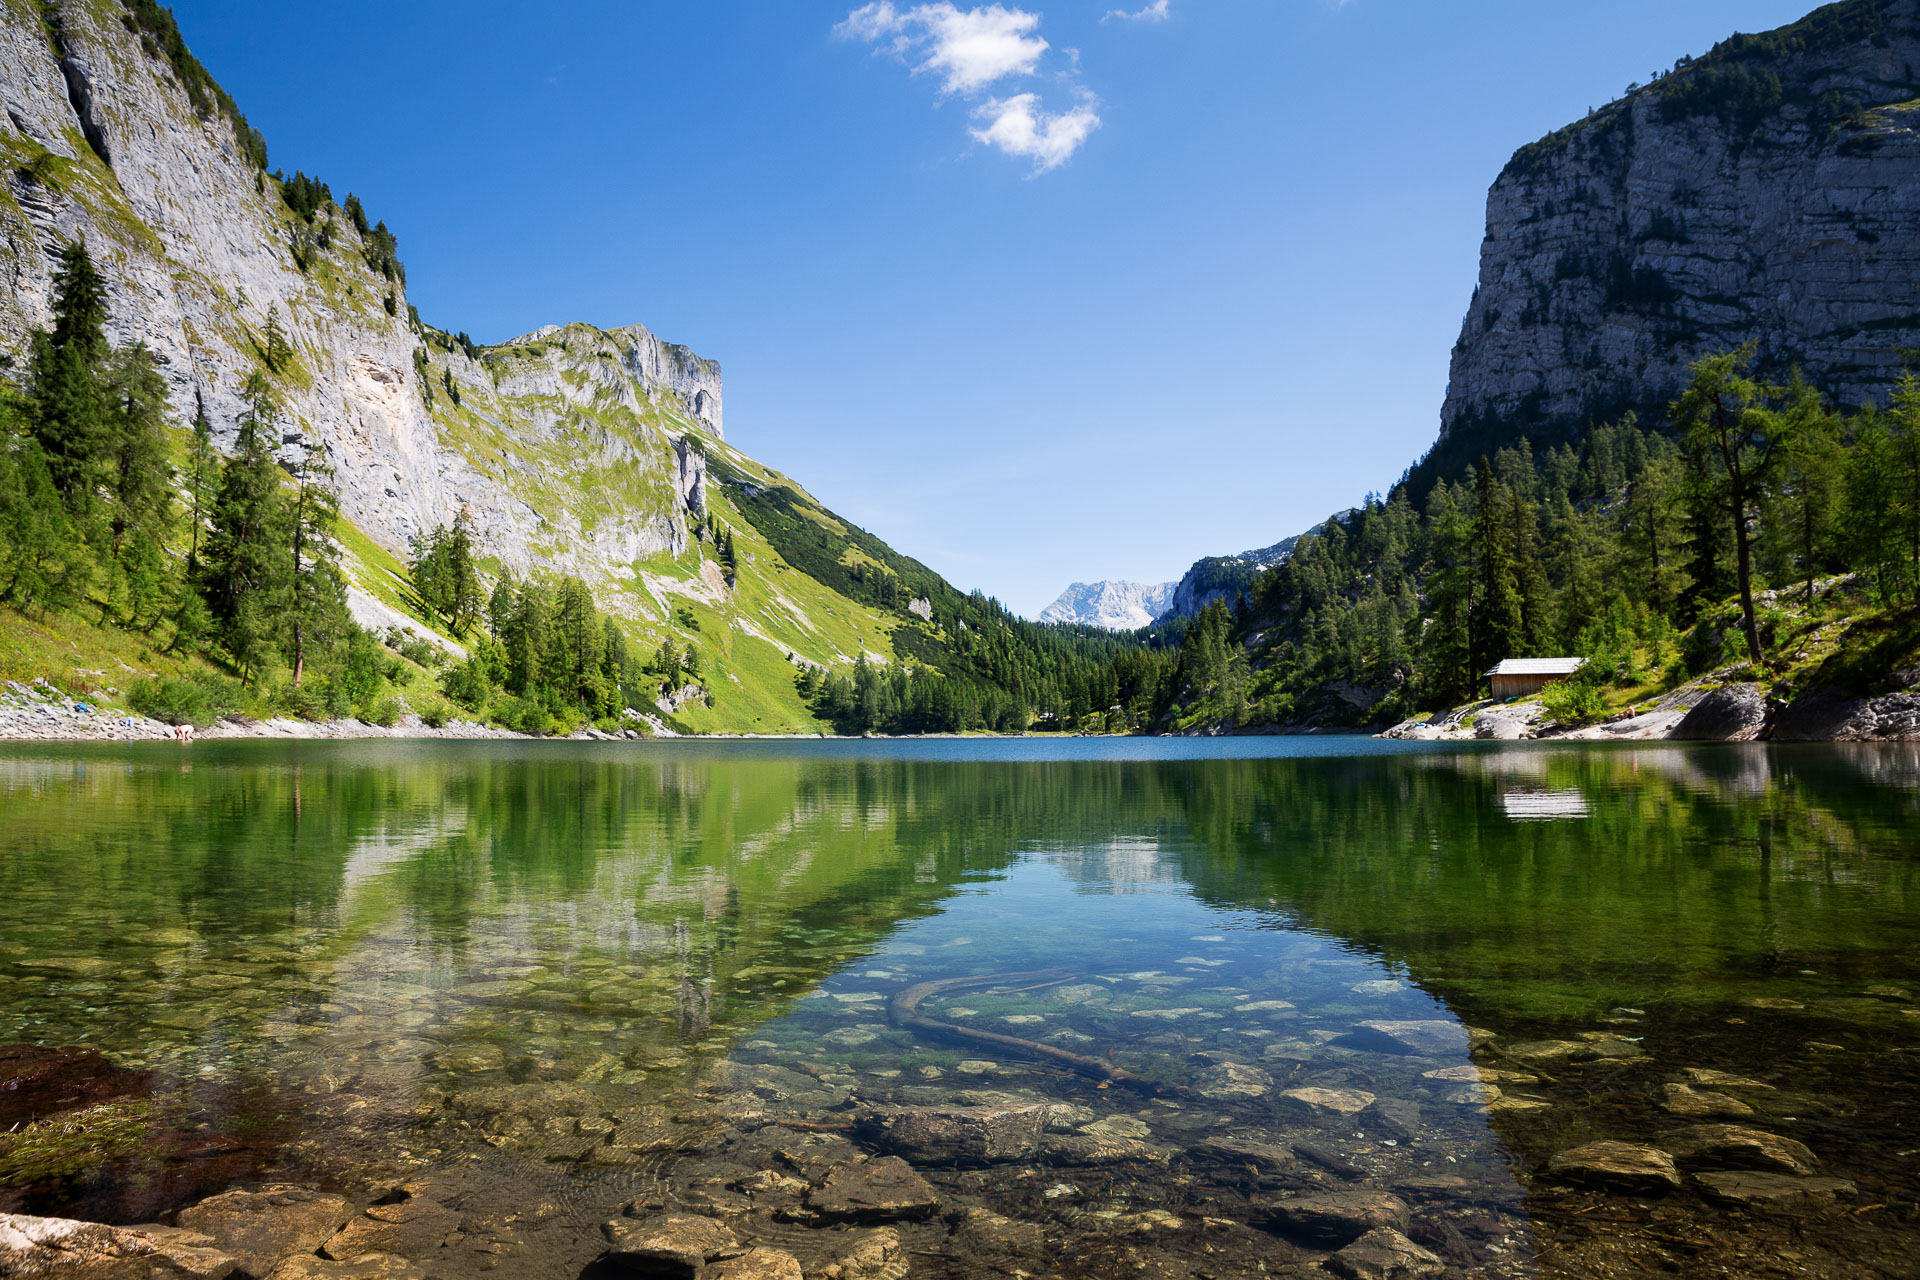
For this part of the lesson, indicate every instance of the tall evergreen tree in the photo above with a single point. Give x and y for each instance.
(66, 392)
(245, 568)
(1499, 627)
(316, 598)
(139, 481)
(1725, 417)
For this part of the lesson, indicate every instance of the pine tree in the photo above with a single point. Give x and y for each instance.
(44, 564)
(1530, 578)
(245, 569)
(139, 481)
(1903, 439)
(275, 349)
(1726, 420)
(1499, 627)
(66, 395)
(1806, 491)
(316, 598)
(202, 476)
(1869, 492)
(1447, 642)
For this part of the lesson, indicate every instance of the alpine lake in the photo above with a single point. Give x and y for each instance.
(956, 1008)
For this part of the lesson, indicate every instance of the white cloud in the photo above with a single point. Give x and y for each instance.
(1158, 11)
(1020, 127)
(970, 48)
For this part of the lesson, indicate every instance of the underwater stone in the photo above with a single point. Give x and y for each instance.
(1432, 1037)
(1331, 1103)
(1730, 1146)
(1684, 1100)
(675, 1246)
(1722, 1079)
(868, 1254)
(1383, 1254)
(756, 1264)
(374, 1266)
(949, 1135)
(259, 1228)
(1619, 1166)
(873, 1191)
(1336, 1219)
(410, 1229)
(1232, 1080)
(1770, 1190)
(1266, 1156)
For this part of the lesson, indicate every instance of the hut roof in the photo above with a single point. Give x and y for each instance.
(1538, 667)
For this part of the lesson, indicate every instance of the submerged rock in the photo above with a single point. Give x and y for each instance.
(259, 1228)
(866, 1255)
(1434, 1037)
(756, 1264)
(873, 1191)
(1337, 1219)
(1232, 1080)
(982, 1232)
(1617, 1166)
(374, 1266)
(412, 1228)
(1383, 1254)
(1733, 1147)
(1328, 1103)
(956, 1135)
(1770, 1190)
(673, 1246)
(1266, 1156)
(62, 1247)
(1685, 1100)
(40, 1080)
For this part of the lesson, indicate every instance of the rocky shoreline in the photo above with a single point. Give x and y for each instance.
(1703, 712)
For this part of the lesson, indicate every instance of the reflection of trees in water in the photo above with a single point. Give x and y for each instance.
(703, 871)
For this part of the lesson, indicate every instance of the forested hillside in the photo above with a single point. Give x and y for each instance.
(1765, 529)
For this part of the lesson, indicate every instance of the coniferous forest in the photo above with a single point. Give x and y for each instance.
(1756, 516)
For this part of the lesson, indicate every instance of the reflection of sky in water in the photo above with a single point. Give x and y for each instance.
(1140, 974)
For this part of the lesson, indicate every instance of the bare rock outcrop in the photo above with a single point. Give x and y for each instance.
(1733, 713)
(1767, 192)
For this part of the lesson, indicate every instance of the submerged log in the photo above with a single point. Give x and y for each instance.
(904, 1011)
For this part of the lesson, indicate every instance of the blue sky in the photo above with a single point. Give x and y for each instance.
(1037, 293)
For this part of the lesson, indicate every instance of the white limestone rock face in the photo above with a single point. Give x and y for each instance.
(1668, 226)
(1115, 605)
(573, 450)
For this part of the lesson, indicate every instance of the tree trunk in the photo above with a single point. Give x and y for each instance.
(299, 654)
(1743, 557)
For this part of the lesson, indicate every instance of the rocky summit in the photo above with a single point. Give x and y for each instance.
(1765, 192)
(1117, 606)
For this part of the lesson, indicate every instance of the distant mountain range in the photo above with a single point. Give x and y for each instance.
(1118, 606)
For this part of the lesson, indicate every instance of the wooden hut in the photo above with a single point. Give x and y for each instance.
(1524, 677)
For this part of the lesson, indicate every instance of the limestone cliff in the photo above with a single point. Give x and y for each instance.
(102, 141)
(1768, 192)
(598, 453)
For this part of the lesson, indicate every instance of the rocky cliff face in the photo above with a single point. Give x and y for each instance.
(1115, 605)
(1224, 577)
(1767, 193)
(573, 449)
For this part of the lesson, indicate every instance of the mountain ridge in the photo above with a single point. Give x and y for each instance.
(572, 451)
(1112, 603)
